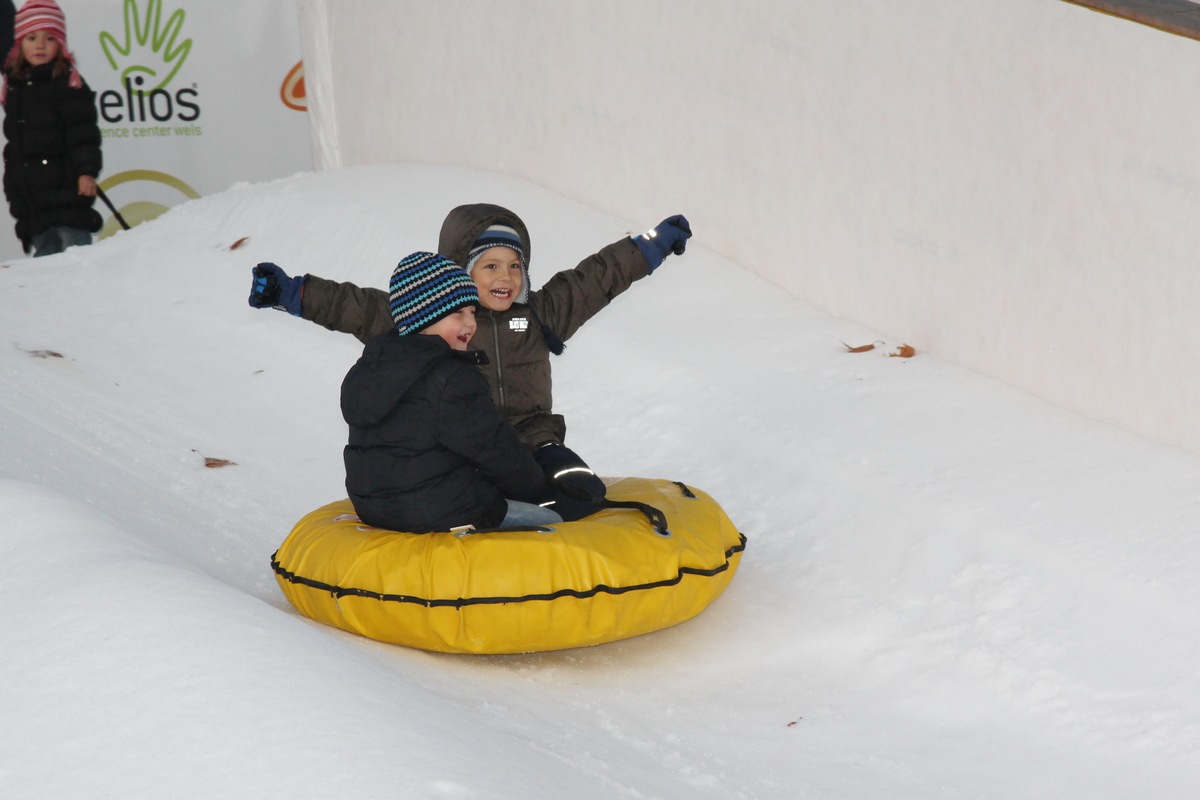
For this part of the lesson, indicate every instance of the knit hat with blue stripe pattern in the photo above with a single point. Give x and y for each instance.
(426, 287)
(495, 236)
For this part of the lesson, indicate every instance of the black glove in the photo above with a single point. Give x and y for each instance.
(272, 288)
(568, 507)
(568, 473)
(670, 236)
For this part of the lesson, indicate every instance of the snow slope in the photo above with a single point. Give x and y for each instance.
(950, 590)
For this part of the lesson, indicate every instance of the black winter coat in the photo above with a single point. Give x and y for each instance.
(428, 450)
(52, 139)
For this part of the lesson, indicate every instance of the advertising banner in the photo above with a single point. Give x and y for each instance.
(193, 97)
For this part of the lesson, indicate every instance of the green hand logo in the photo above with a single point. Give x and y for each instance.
(156, 53)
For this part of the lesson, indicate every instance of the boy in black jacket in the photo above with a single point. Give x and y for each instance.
(428, 449)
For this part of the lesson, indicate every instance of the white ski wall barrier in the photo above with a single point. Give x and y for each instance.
(1012, 186)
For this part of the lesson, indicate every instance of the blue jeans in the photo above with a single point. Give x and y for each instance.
(528, 515)
(58, 238)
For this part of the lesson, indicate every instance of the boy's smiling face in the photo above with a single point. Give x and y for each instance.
(456, 329)
(498, 275)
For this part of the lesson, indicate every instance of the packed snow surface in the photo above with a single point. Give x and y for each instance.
(951, 589)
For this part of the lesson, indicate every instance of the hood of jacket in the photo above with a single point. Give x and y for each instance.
(390, 366)
(464, 224)
(462, 227)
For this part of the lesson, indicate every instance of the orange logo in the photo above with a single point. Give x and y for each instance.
(292, 91)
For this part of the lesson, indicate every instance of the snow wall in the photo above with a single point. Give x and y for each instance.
(1012, 186)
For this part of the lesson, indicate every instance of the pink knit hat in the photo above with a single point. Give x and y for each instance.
(34, 16)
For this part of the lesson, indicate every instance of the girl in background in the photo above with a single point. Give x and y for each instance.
(52, 150)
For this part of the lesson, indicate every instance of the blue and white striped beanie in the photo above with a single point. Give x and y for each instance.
(495, 236)
(426, 287)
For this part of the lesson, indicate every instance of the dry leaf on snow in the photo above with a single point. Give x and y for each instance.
(215, 462)
(40, 353)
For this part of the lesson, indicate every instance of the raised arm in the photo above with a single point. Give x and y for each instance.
(572, 297)
(341, 307)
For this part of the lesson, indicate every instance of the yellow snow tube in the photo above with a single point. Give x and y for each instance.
(610, 576)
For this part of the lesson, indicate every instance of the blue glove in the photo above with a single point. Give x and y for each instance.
(670, 236)
(272, 288)
(568, 473)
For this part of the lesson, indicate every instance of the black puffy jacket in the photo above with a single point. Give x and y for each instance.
(428, 450)
(52, 139)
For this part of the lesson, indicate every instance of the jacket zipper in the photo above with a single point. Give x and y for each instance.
(499, 366)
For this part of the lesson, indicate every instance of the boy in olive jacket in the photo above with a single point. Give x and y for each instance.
(518, 329)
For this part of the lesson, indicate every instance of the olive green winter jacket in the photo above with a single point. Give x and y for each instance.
(518, 374)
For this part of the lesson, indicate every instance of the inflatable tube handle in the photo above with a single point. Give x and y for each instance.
(684, 489)
(658, 520)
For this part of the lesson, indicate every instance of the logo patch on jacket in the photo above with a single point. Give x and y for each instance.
(518, 324)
